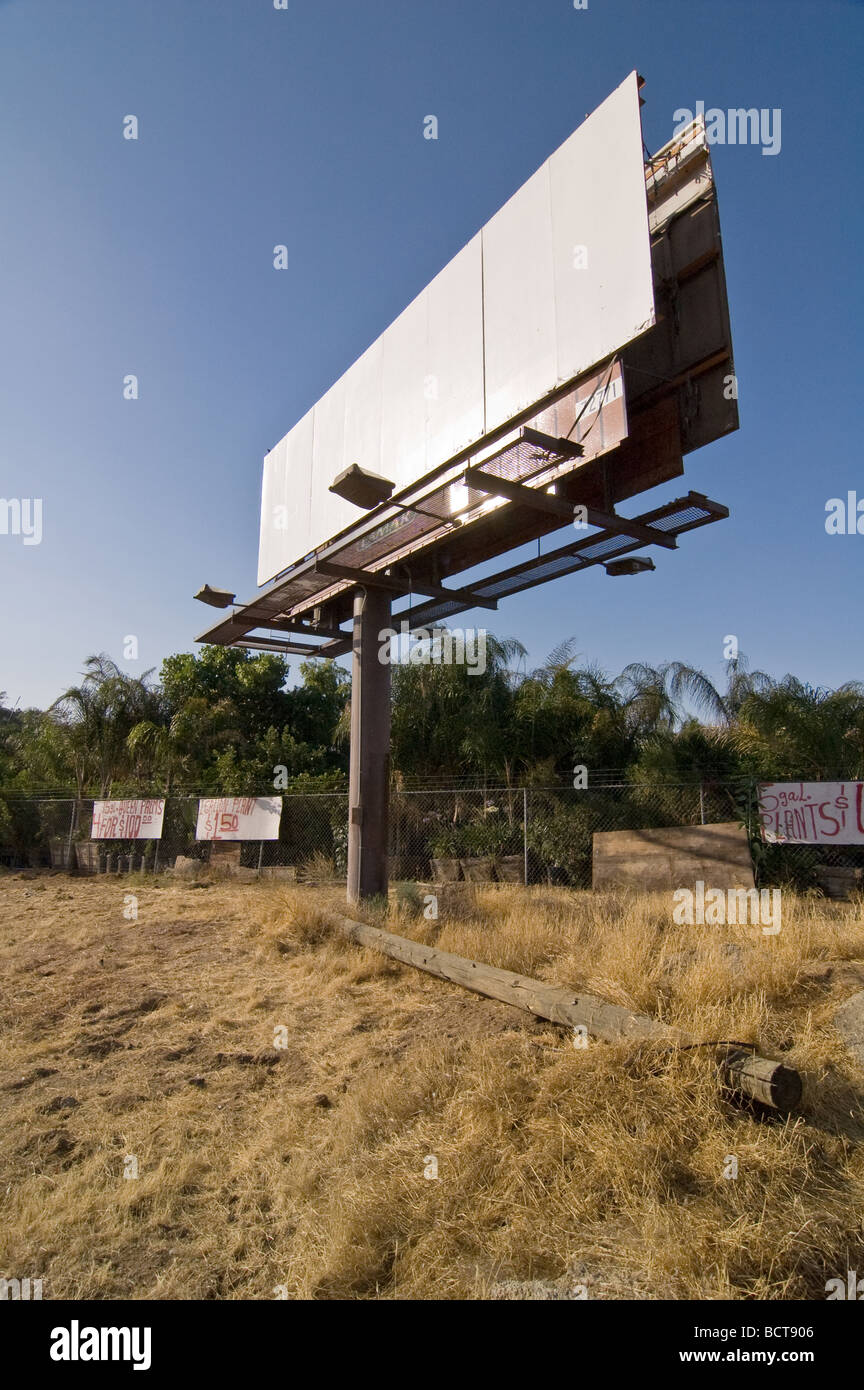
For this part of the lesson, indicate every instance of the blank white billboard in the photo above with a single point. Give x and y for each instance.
(557, 280)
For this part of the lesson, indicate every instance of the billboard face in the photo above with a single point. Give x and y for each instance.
(127, 820)
(239, 818)
(812, 813)
(555, 282)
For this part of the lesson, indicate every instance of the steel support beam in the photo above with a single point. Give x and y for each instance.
(271, 644)
(369, 778)
(557, 506)
(334, 634)
(375, 579)
(559, 448)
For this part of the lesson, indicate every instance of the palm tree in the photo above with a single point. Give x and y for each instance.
(97, 717)
(170, 744)
(450, 719)
(797, 730)
(661, 691)
(572, 714)
(649, 702)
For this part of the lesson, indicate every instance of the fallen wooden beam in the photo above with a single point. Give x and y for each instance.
(758, 1078)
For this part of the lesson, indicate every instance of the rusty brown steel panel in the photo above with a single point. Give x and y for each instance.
(689, 351)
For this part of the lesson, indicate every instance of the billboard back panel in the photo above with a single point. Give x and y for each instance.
(554, 283)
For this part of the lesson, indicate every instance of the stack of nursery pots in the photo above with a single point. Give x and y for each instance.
(479, 851)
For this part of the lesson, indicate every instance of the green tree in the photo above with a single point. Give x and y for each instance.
(250, 686)
(448, 721)
(569, 715)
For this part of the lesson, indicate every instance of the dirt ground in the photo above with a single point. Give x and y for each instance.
(212, 1096)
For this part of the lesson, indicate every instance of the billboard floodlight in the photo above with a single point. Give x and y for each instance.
(632, 564)
(217, 598)
(364, 489)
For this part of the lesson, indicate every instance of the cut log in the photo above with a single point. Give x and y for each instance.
(759, 1078)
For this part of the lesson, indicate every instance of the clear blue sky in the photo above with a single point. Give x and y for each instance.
(305, 127)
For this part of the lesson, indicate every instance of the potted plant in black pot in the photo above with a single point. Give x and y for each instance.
(478, 851)
(508, 850)
(445, 846)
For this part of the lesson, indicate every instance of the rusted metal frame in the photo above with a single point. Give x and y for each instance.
(716, 510)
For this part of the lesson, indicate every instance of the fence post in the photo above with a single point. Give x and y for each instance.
(69, 840)
(751, 798)
(260, 855)
(525, 836)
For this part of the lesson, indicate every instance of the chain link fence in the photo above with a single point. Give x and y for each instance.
(40, 833)
(519, 835)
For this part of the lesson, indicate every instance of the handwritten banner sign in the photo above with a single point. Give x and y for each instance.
(127, 820)
(812, 813)
(239, 818)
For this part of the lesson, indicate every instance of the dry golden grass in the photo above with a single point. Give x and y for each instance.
(301, 1167)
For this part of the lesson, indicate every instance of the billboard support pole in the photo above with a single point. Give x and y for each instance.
(369, 780)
